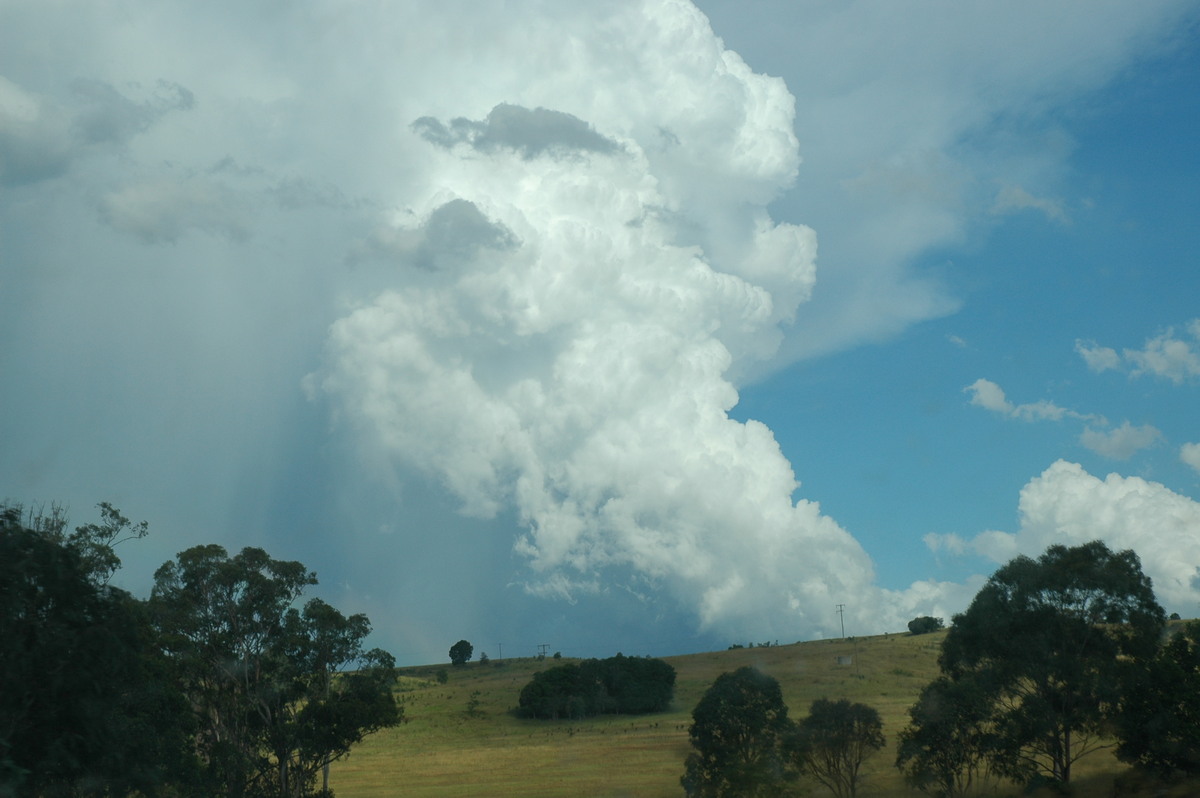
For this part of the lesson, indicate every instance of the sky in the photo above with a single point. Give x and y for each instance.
(635, 326)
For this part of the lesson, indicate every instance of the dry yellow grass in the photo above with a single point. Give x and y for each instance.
(442, 751)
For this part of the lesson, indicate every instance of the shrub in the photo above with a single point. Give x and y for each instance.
(924, 625)
(618, 685)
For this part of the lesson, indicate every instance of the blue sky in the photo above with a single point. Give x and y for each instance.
(521, 324)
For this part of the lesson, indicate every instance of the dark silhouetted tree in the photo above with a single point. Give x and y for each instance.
(924, 625)
(461, 652)
(738, 729)
(943, 751)
(832, 743)
(87, 705)
(1158, 722)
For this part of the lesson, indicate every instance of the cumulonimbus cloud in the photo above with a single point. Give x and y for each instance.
(575, 367)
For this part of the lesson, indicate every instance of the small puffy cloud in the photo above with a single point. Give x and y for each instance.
(1067, 505)
(1098, 358)
(990, 396)
(1189, 453)
(1013, 199)
(1122, 442)
(1167, 355)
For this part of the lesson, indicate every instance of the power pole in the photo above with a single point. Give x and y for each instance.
(542, 647)
(501, 647)
(841, 609)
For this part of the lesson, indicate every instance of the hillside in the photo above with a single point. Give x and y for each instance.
(444, 751)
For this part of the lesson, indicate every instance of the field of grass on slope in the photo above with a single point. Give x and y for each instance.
(442, 750)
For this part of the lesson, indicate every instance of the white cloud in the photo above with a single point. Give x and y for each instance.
(1167, 355)
(990, 396)
(1189, 453)
(580, 373)
(1120, 443)
(1098, 358)
(1067, 505)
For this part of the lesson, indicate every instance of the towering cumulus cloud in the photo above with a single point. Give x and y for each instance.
(578, 283)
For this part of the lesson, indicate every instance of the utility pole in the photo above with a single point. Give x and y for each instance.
(542, 647)
(841, 609)
(501, 647)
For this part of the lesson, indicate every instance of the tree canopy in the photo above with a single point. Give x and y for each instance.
(924, 625)
(461, 652)
(944, 749)
(217, 685)
(738, 729)
(261, 674)
(87, 706)
(832, 743)
(617, 685)
(1045, 638)
(1158, 720)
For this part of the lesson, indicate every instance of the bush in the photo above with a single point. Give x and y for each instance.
(618, 685)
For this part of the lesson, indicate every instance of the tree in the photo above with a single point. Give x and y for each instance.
(944, 748)
(924, 625)
(738, 728)
(1158, 723)
(833, 741)
(1046, 638)
(461, 652)
(278, 693)
(87, 706)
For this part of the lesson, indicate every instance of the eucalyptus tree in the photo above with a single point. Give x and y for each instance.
(278, 692)
(738, 730)
(1046, 638)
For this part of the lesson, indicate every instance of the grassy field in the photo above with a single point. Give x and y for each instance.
(442, 750)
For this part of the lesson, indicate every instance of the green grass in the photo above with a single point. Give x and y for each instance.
(441, 751)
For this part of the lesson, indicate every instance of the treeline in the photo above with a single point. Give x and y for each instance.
(617, 685)
(1054, 659)
(215, 685)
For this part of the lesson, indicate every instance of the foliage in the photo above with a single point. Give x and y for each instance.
(943, 750)
(738, 729)
(461, 652)
(484, 659)
(87, 706)
(833, 741)
(1158, 723)
(617, 685)
(1045, 638)
(273, 704)
(924, 625)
